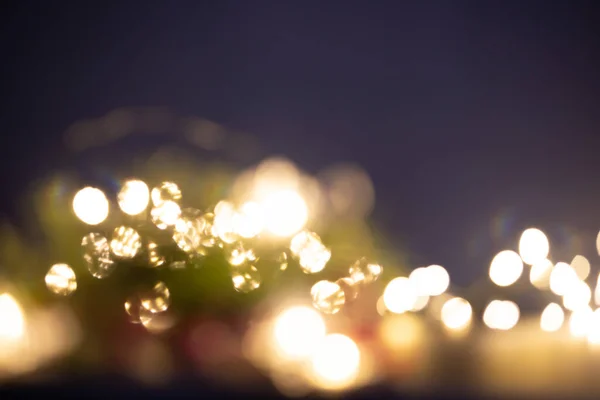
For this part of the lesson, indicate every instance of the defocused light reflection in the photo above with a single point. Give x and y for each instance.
(365, 272)
(312, 254)
(562, 278)
(96, 253)
(327, 297)
(539, 274)
(285, 212)
(298, 331)
(245, 278)
(399, 295)
(223, 226)
(336, 362)
(580, 322)
(506, 268)
(90, 206)
(581, 265)
(457, 314)
(61, 280)
(420, 303)
(552, 318)
(134, 197)
(165, 214)
(189, 229)
(12, 320)
(437, 281)
(249, 221)
(533, 246)
(501, 315)
(166, 191)
(126, 242)
(577, 295)
(158, 299)
(155, 258)
(593, 333)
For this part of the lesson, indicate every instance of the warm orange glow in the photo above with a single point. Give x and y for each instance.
(335, 363)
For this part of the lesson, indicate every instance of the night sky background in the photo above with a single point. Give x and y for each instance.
(474, 119)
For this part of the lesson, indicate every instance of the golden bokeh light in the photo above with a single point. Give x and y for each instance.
(285, 212)
(364, 272)
(282, 261)
(402, 334)
(533, 246)
(437, 280)
(593, 332)
(312, 254)
(245, 278)
(298, 331)
(420, 303)
(61, 279)
(165, 214)
(12, 320)
(552, 318)
(155, 258)
(237, 254)
(96, 254)
(562, 278)
(158, 299)
(419, 277)
(223, 225)
(249, 221)
(126, 242)
(457, 314)
(400, 295)
(327, 297)
(166, 191)
(134, 197)
(582, 267)
(90, 205)
(188, 230)
(577, 295)
(350, 288)
(539, 274)
(581, 322)
(335, 363)
(506, 268)
(501, 315)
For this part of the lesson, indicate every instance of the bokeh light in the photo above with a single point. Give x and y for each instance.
(399, 295)
(298, 331)
(593, 331)
(336, 362)
(437, 280)
(312, 254)
(285, 212)
(166, 191)
(506, 268)
(501, 314)
(61, 279)
(582, 267)
(365, 272)
(577, 295)
(245, 278)
(134, 196)
(327, 297)
(539, 274)
(457, 314)
(562, 278)
(155, 258)
(126, 242)
(96, 254)
(249, 221)
(165, 214)
(12, 320)
(533, 246)
(552, 318)
(90, 205)
(580, 322)
(189, 229)
(158, 299)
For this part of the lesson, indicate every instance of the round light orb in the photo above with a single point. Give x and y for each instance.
(157, 299)
(166, 214)
(506, 268)
(327, 297)
(419, 277)
(96, 254)
(12, 319)
(134, 197)
(245, 278)
(552, 318)
(582, 267)
(456, 314)
(249, 221)
(562, 278)
(285, 212)
(581, 322)
(501, 315)
(577, 296)
(336, 362)
(126, 242)
(533, 246)
(593, 331)
(420, 303)
(298, 331)
(61, 280)
(539, 274)
(166, 191)
(437, 281)
(365, 272)
(400, 295)
(90, 206)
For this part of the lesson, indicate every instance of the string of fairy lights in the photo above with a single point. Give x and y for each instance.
(277, 211)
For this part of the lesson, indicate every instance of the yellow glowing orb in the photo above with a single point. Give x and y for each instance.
(249, 221)
(581, 322)
(533, 246)
(166, 214)
(420, 303)
(245, 278)
(506, 268)
(90, 206)
(312, 254)
(399, 295)
(285, 212)
(12, 320)
(419, 277)
(577, 296)
(327, 297)
(336, 362)
(437, 281)
(552, 318)
(126, 242)
(298, 331)
(166, 191)
(134, 197)
(582, 267)
(456, 314)
(562, 278)
(61, 280)
(363, 271)
(539, 274)
(158, 299)
(501, 315)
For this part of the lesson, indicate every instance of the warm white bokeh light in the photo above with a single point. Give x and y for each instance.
(593, 332)
(437, 280)
(420, 303)
(12, 320)
(506, 268)
(90, 206)
(581, 322)
(297, 332)
(166, 214)
(399, 295)
(539, 274)
(311, 252)
(562, 278)
(249, 221)
(552, 318)
(419, 277)
(501, 315)
(456, 314)
(336, 362)
(285, 212)
(582, 267)
(533, 246)
(61, 279)
(134, 197)
(577, 296)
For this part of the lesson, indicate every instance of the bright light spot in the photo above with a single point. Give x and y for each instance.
(552, 318)
(224, 222)
(364, 272)
(61, 279)
(298, 331)
(90, 205)
(580, 322)
(539, 274)
(562, 278)
(506, 268)
(420, 303)
(327, 297)
(593, 333)
(134, 197)
(533, 246)
(166, 214)
(456, 314)
(581, 265)
(12, 321)
(166, 191)
(285, 212)
(501, 315)
(312, 254)
(577, 296)
(126, 242)
(438, 280)
(249, 221)
(419, 277)
(336, 362)
(597, 292)
(400, 295)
